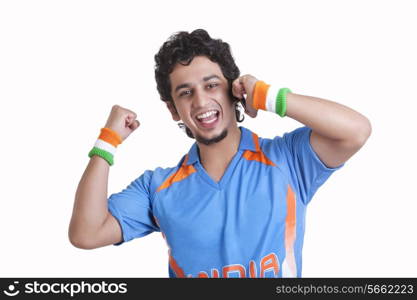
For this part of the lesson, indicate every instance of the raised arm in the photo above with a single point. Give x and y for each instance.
(338, 131)
(91, 224)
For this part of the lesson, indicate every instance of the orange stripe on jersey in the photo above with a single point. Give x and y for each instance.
(174, 266)
(258, 155)
(290, 234)
(183, 172)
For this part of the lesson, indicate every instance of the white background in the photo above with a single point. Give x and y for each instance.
(63, 64)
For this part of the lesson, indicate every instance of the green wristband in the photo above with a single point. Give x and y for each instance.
(281, 102)
(103, 154)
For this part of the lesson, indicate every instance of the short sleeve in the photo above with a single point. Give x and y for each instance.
(309, 170)
(133, 210)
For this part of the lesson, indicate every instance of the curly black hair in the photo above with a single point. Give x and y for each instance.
(182, 47)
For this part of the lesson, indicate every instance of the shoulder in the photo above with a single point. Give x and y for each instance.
(287, 140)
(282, 148)
(153, 179)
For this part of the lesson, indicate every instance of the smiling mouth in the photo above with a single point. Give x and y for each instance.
(208, 117)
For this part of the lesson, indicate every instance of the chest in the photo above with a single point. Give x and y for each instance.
(206, 215)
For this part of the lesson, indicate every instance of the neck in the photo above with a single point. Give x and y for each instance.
(216, 157)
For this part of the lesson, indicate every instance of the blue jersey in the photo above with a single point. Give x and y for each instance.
(248, 224)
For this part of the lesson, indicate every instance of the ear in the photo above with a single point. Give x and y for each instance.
(173, 110)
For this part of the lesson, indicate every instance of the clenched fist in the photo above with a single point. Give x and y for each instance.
(122, 120)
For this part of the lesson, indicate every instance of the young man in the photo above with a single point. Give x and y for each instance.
(235, 205)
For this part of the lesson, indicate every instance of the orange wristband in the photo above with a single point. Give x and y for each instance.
(259, 95)
(110, 136)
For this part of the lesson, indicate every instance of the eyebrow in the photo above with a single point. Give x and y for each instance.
(186, 84)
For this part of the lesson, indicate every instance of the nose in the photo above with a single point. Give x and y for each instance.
(200, 97)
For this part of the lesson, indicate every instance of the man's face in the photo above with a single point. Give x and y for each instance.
(200, 94)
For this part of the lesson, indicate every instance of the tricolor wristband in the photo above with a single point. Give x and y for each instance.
(270, 98)
(106, 144)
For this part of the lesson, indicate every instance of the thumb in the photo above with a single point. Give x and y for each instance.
(134, 125)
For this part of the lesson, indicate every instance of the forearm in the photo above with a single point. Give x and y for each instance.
(90, 206)
(327, 118)
(338, 131)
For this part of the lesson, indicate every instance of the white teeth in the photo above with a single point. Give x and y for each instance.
(206, 114)
(209, 121)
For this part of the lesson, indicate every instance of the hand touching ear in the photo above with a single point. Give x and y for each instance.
(244, 85)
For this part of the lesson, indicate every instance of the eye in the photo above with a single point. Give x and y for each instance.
(212, 85)
(185, 92)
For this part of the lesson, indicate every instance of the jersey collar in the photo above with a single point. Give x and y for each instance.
(246, 143)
